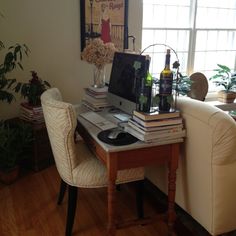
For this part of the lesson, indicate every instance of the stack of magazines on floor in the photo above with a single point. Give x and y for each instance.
(96, 98)
(156, 127)
(32, 114)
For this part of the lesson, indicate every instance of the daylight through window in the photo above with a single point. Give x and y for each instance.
(203, 32)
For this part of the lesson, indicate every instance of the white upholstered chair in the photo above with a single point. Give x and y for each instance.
(77, 166)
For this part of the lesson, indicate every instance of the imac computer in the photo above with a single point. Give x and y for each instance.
(125, 80)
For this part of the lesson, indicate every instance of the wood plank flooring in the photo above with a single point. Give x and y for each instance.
(28, 208)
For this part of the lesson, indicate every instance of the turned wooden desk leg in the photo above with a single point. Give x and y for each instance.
(112, 174)
(173, 165)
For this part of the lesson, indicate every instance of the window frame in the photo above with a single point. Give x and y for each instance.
(193, 30)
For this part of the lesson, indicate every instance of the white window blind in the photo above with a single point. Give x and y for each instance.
(203, 33)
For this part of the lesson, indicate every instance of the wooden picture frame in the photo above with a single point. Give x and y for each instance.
(105, 19)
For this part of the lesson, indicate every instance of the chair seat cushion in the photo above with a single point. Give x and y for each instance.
(91, 173)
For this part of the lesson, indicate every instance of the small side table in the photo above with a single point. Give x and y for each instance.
(42, 156)
(42, 152)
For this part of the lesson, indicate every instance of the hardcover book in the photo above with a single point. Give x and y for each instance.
(146, 137)
(168, 129)
(153, 123)
(133, 123)
(156, 115)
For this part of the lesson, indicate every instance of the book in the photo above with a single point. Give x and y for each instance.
(166, 140)
(94, 107)
(171, 121)
(97, 101)
(146, 137)
(30, 107)
(95, 94)
(91, 107)
(138, 126)
(33, 114)
(99, 90)
(167, 129)
(30, 111)
(156, 115)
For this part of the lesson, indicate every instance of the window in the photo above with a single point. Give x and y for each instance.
(203, 33)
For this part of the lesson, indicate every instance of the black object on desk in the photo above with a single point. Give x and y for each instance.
(122, 138)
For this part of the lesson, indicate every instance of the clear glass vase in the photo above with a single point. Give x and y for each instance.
(99, 77)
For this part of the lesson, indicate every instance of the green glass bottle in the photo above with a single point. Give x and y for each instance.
(145, 96)
(166, 82)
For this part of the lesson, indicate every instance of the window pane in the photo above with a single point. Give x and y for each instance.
(147, 38)
(172, 38)
(217, 3)
(220, 14)
(212, 35)
(214, 47)
(166, 13)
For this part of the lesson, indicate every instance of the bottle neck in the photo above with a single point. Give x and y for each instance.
(167, 62)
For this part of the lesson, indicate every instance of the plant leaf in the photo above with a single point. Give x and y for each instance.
(11, 82)
(20, 65)
(47, 83)
(224, 68)
(18, 87)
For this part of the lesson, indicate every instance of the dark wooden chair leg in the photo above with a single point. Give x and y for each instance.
(139, 198)
(72, 200)
(61, 192)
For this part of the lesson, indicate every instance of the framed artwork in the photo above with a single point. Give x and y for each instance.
(105, 19)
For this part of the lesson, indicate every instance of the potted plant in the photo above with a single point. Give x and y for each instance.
(16, 139)
(180, 87)
(183, 86)
(11, 61)
(33, 89)
(227, 79)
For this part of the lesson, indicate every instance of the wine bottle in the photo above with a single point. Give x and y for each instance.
(166, 82)
(145, 94)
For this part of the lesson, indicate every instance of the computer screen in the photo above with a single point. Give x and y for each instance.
(127, 71)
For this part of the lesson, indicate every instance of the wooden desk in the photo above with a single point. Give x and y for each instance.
(130, 156)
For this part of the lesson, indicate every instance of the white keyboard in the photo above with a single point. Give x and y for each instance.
(98, 120)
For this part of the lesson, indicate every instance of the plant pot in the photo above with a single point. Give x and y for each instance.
(9, 176)
(226, 97)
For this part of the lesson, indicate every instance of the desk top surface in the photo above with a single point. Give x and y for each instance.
(93, 131)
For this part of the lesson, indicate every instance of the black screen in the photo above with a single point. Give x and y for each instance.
(125, 80)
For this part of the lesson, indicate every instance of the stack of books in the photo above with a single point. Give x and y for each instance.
(96, 98)
(156, 127)
(33, 114)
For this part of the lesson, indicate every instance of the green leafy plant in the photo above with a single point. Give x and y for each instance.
(183, 85)
(12, 60)
(33, 89)
(224, 77)
(15, 142)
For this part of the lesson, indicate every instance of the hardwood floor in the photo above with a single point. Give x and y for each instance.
(29, 207)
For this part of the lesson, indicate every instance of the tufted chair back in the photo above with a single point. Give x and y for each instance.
(60, 119)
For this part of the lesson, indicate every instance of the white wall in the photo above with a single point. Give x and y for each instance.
(51, 29)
